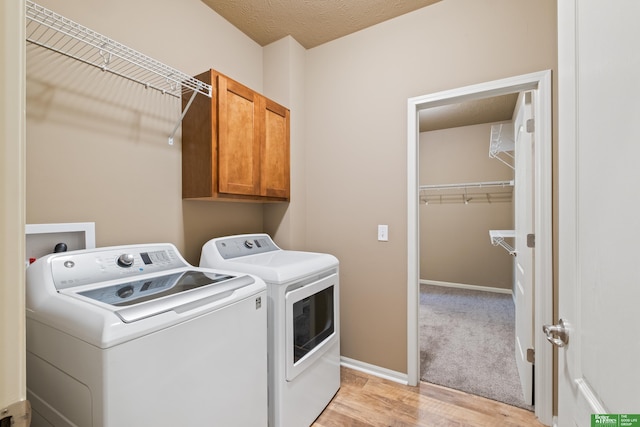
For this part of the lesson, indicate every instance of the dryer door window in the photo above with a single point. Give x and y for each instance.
(311, 323)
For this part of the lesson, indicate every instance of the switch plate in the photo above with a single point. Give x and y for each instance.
(383, 233)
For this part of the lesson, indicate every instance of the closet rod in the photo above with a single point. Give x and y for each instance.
(467, 185)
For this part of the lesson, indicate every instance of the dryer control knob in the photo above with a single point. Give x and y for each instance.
(125, 260)
(248, 244)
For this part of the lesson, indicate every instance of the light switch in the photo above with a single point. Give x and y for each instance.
(383, 233)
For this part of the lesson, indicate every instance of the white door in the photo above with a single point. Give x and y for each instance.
(599, 174)
(524, 225)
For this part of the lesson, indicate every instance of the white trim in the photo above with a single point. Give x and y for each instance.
(374, 370)
(12, 207)
(568, 219)
(466, 286)
(543, 252)
(413, 244)
(589, 396)
(88, 228)
(540, 83)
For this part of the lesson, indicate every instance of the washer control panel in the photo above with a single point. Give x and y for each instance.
(87, 267)
(244, 245)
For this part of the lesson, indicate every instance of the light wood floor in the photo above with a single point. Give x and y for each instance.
(366, 400)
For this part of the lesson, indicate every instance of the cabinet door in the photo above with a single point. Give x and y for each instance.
(239, 109)
(274, 181)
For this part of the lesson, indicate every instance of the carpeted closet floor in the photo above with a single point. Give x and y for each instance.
(467, 342)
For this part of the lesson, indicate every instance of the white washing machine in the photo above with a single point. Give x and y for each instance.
(303, 321)
(135, 336)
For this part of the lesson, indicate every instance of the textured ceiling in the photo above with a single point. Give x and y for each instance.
(314, 22)
(310, 22)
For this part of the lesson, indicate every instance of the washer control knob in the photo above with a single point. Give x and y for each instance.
(125, 292)
(125, 260)
(248, 244)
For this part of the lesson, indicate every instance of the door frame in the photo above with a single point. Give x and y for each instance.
(12, 210)
(540, 83)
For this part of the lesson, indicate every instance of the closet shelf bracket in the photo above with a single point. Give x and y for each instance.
(184, 113)
(497, 239)
(502, 144)
(52, 31)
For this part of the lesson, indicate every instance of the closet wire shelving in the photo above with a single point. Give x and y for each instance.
(501, 147)
(52, 31)
(489, 191)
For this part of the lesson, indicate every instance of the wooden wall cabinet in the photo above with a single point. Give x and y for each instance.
(235, 146)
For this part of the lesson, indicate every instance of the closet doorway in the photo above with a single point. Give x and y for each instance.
(539, 86)
(467, 172)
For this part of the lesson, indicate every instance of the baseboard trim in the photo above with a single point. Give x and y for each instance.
(466, 286)
(374, 370)
(17, 414)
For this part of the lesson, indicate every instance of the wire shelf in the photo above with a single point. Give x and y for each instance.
(52, 31)
(486, 191)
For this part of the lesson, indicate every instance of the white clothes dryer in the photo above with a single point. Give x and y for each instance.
(135, 336)
(303, 321)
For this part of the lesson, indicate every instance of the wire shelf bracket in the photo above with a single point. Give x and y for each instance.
(52, 31)
(502, 144)
(497, 239)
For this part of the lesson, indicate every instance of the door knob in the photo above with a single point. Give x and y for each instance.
(557, 335)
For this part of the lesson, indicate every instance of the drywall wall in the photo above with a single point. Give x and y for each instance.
(356, 135)
(454, 236)
(97, 143)
(284, 69)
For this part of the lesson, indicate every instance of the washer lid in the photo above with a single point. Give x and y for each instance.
(279, 266)
(135, 292)
(139, 299)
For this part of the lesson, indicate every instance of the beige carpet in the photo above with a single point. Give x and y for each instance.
(467, 342)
